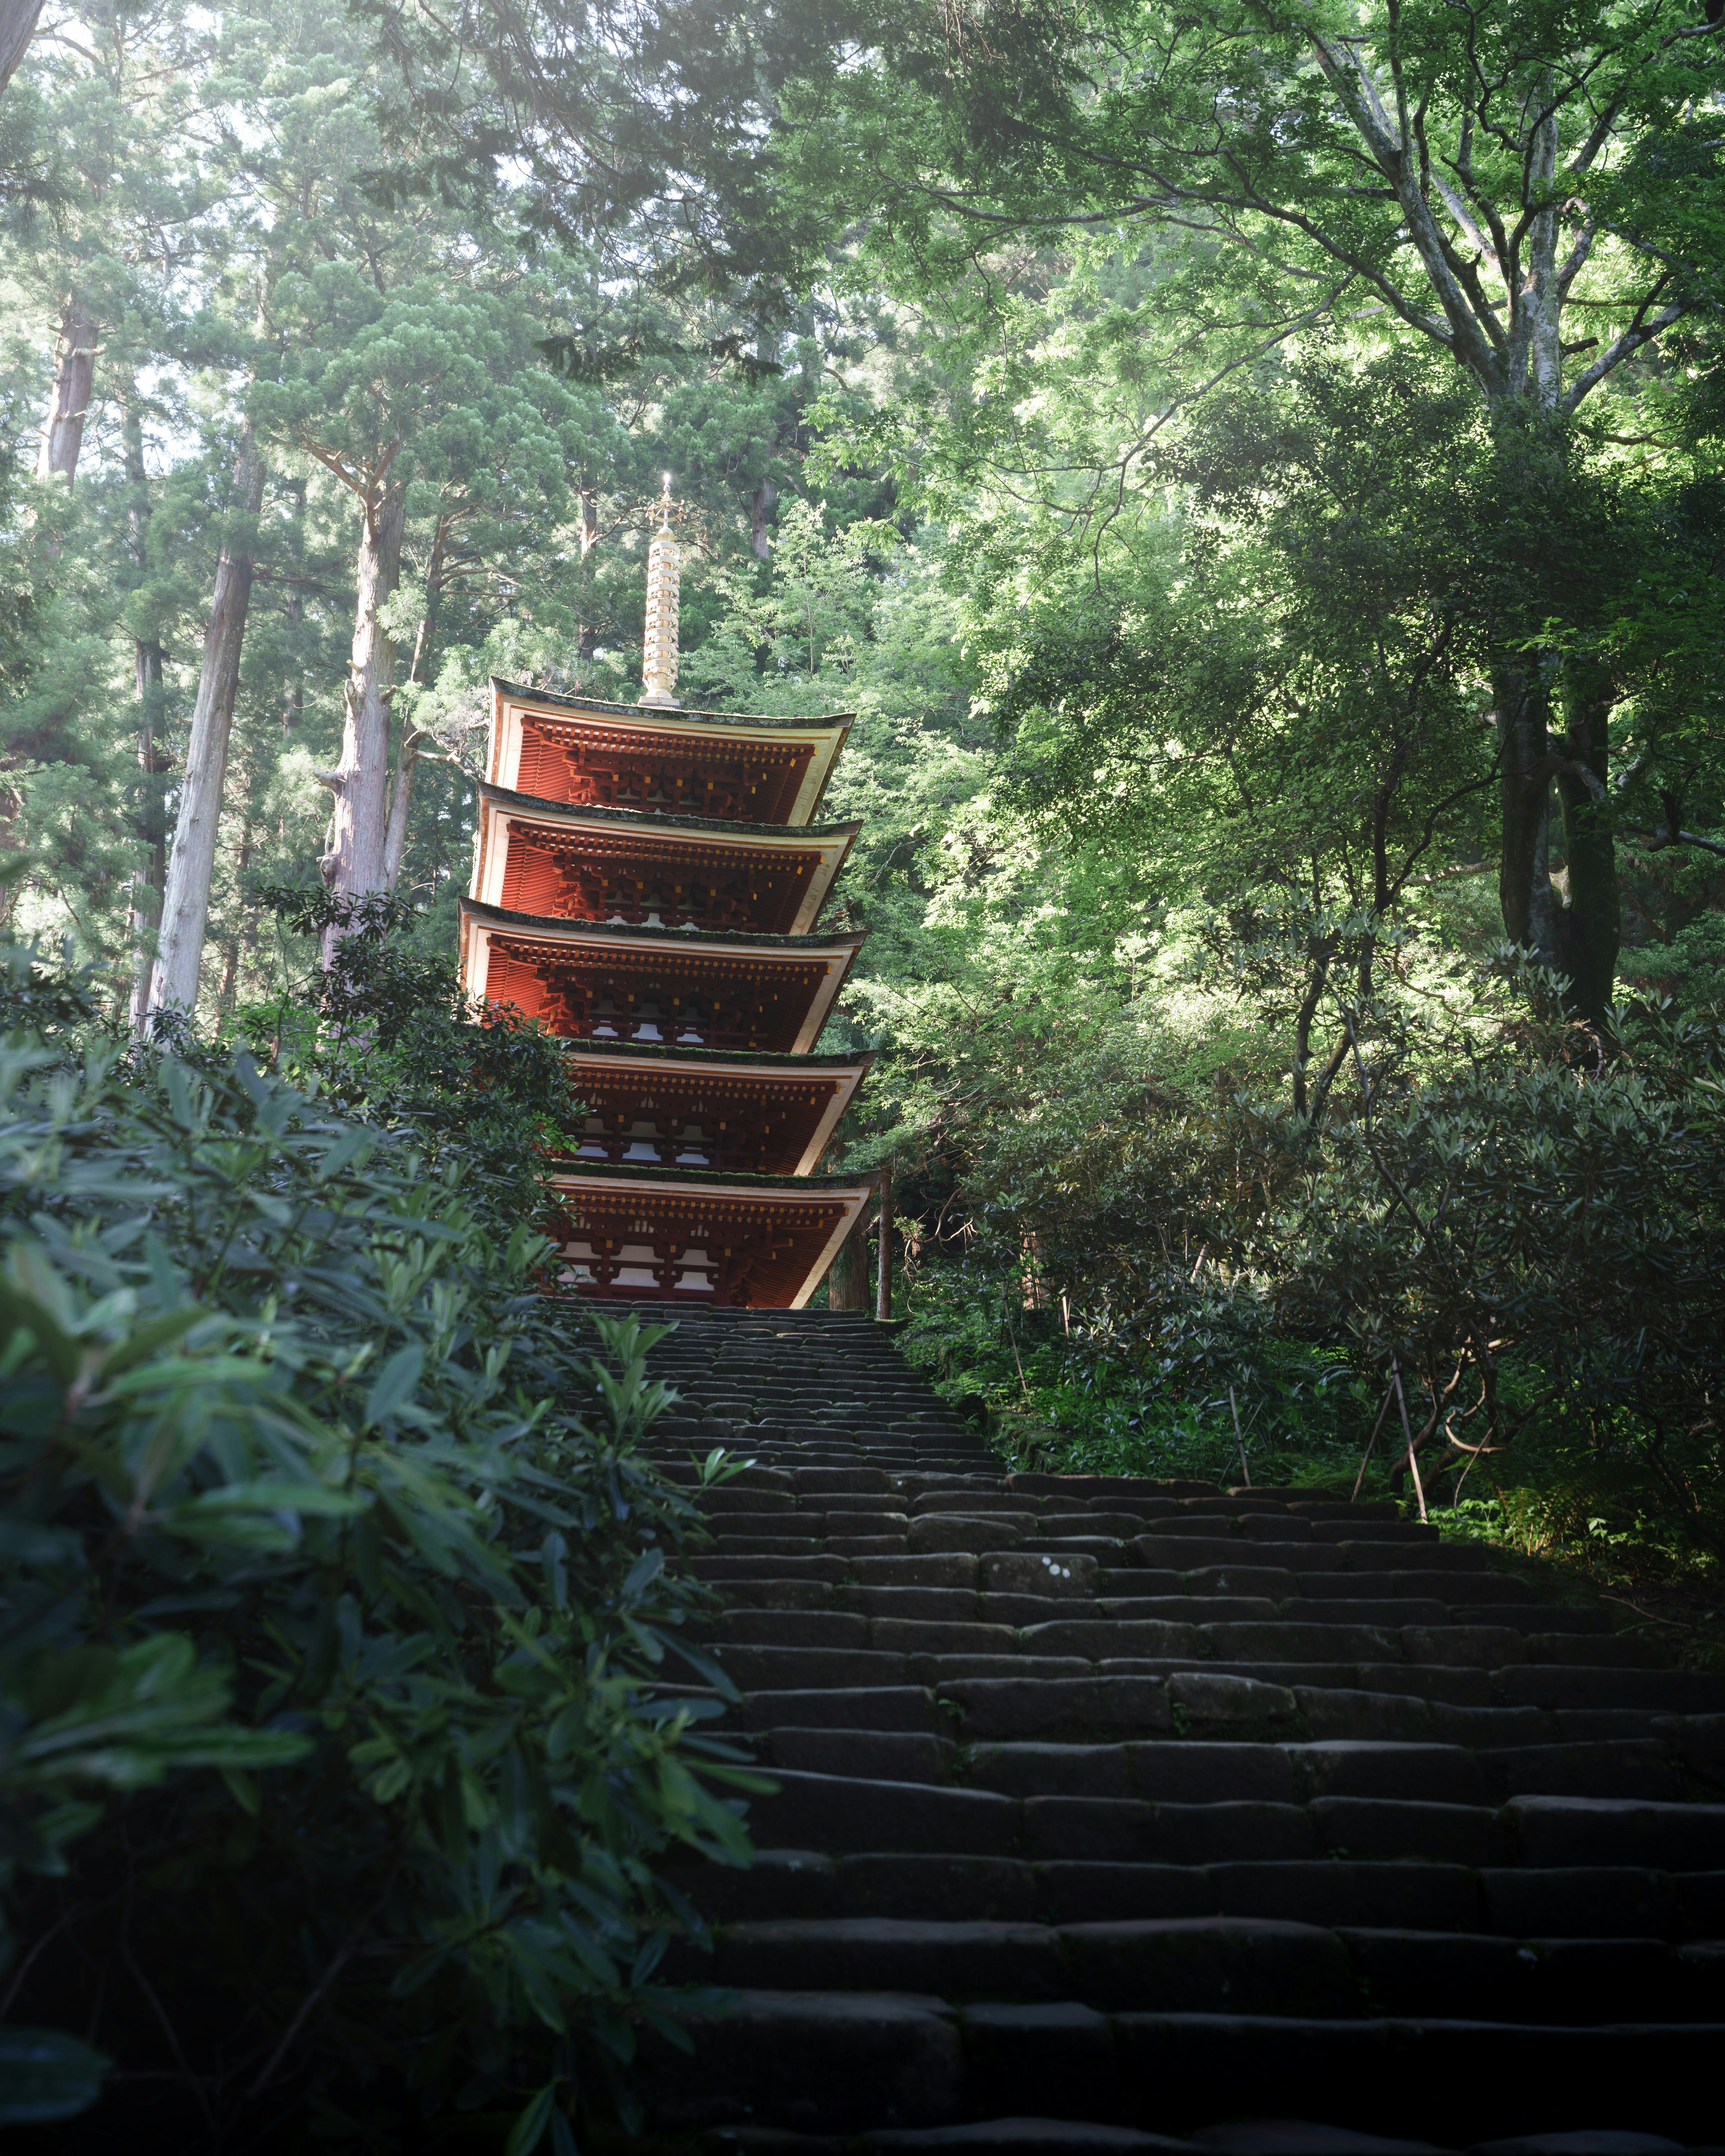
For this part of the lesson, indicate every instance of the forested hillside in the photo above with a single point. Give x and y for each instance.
(1258, 473)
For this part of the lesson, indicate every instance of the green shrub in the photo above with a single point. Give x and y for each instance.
(1525, 1221)
(338, 1651)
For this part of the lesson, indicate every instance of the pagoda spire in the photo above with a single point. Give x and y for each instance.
(659, 661)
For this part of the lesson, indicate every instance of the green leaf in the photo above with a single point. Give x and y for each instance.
(273, 1497)
(149, 1339)
(44, 2074)
(242, 1788)
(394, 1386)
(529, 2128)
(24, 1541)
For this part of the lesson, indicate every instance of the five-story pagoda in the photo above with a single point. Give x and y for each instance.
(647, 882)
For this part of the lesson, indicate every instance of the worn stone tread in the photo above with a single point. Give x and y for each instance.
(1107, 1809)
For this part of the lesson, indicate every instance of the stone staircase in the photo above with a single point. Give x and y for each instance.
(1112, 1810)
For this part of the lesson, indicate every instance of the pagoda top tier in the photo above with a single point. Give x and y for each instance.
(589, 754)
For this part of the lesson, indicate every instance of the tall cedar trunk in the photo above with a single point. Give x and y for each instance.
(149, 880)
(69, 405)
(1524, 890)
(185, 912)
(356, 861)
(1592, 923)
(17, 26)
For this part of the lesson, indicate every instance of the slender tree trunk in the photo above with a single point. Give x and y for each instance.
(1524, 889)
(1591, 925)
(17, 26)
(151, 876)
(883, 1275)
(293, 698)
(69, 405)
(356, 862)
(185, 908)
(760, 537)
(149, 880)
(230, 958)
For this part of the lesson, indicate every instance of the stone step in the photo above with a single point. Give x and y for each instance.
(1109, 1807)
(1221, 1962)
(1243, 1859)
(1102, 1802)
(844, 2062)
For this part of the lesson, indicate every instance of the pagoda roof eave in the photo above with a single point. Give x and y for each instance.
(658, 716)
(767, 1062)
(841, 1197)
(789, 835)
(847, 942)
(709, 1180)
(664, 1071)
(816, 965)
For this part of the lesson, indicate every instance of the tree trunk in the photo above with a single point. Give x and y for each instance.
(883, 1273)
(1591, 925)
(400, 794)
(230, 959)
(186, 907)
(148, 883)
(766, 494)
(69, 406)
(407, 754)
(356, 861)
(17, 26)
(1529, 904)
(293, 697)
(848, 1279)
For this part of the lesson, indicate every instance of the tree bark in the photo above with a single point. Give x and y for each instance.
(293, 697)
(407, 754)
(151, 879)
(230, 960)
(401, 795)
(17, 26)
(1524, 889)
(356, 862)
(883, 1274)
(173, 984)
(1591, 925)
(69, 405)
(760, 537)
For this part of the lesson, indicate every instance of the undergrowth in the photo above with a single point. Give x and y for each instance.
(1581, 1522)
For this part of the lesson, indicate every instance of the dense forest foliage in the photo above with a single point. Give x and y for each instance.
(1255, 470)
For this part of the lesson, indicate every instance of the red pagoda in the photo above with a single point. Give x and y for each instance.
(647, 882)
